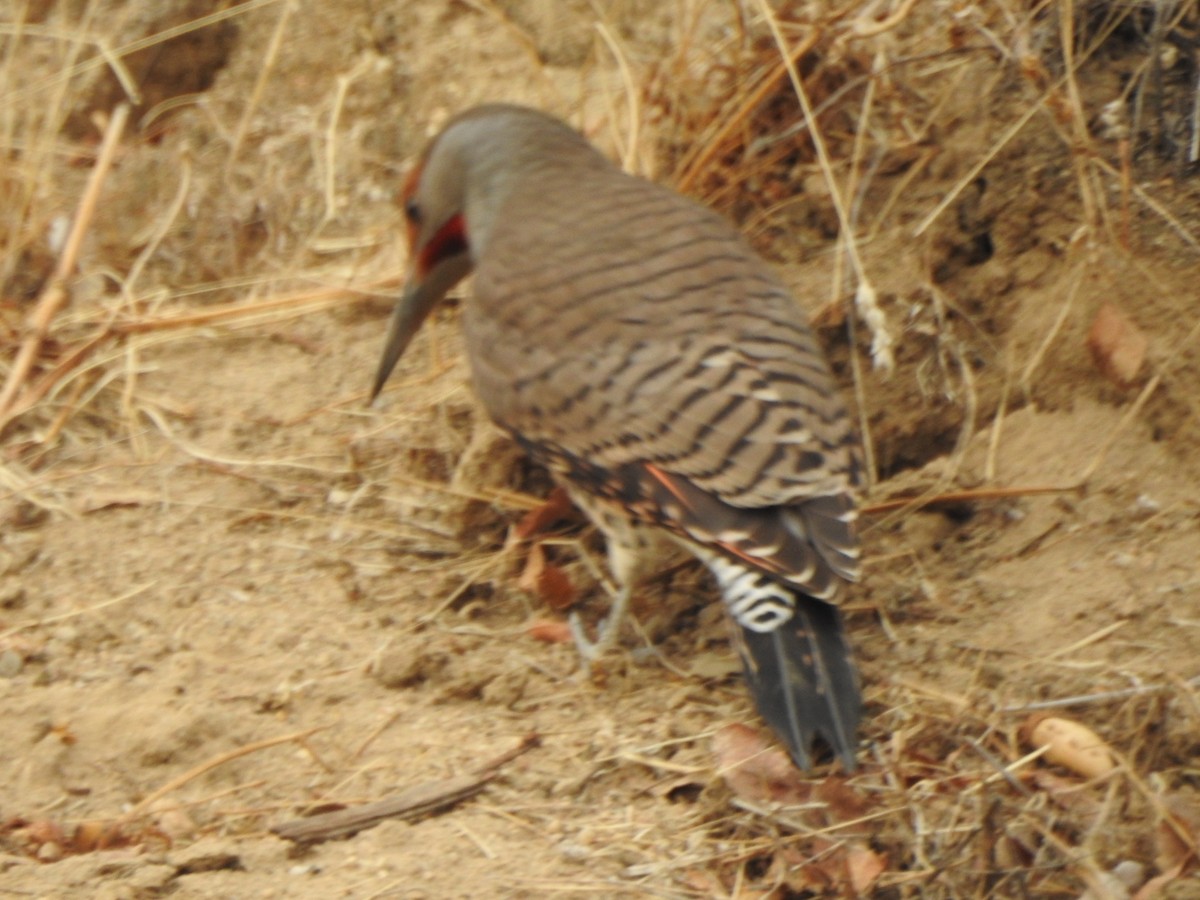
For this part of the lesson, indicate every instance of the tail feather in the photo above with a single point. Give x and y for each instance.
(804, 681)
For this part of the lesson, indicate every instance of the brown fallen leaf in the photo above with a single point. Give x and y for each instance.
(546, 581)
(803, 870)
(716, 666)
(863, 866)
(761, 773)
(1153, 888)
(755, 770)
(823, 866)
(1117, 345)
(83, 837)
(538, 520)
(1177, 835)
(842, 802)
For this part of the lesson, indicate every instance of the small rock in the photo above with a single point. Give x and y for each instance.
(1146, 503)
(151, 878)
(573, 852)
(10, 663)
(1131, 874)
(401, 667)
(206, 855)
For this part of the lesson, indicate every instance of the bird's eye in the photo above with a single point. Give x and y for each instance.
(412, 211)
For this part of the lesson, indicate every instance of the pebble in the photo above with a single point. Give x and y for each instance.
(10, 663)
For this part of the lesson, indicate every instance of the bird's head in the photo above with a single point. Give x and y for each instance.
(438, 249)
(455, 194)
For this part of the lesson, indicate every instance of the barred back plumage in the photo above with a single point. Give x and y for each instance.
(635, 344)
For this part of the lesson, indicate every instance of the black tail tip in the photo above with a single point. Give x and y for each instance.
(819, 750)
(805, 684)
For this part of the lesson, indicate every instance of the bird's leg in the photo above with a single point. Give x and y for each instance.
(626, 550)
(606, 632)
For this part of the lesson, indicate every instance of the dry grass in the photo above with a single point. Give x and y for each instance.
(817, 130)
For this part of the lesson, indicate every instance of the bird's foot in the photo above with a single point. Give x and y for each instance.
(590, 651)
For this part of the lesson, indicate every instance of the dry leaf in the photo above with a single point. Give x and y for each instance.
(842, 802)
(755, 770)
(85, 837)
(546, 581)
(864, 866)
(800, 872)
(1177, 837)
(703, 883)
(824, 866)
(1118, 346)
(1153, 888)
(556, 507)
(1071, 744)
(550, 631)
(716, 666)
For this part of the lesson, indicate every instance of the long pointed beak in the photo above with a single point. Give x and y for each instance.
(414, 305)
(421, 294)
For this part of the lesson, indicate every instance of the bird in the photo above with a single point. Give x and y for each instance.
(633, 343)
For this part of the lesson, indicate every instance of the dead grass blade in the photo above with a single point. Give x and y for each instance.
(54, 297)
(176, 783)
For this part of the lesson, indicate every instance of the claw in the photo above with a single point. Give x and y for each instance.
(590, 650)
(606, 633)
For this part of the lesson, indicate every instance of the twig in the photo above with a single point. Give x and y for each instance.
(1052, 333)
(865, 296)
(1092, 638)
(260, 83)
(1118, 431)
(632, 140)
(1103, 697)
(236, 314)
(693, 166)
(54, 297)
(209, 765)
(1002, 770)
(387, 723)
(344, 82)
(304, 300)
(967, 496)
(422, 800)
(71, 614)
(414, 803)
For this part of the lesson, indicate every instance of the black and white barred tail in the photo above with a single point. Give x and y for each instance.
(796, 658)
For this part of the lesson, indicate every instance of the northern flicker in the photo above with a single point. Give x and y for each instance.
(634, 344)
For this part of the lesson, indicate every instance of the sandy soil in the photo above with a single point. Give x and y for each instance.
(232, 594)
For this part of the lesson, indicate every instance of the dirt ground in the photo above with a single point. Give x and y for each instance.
(233, 594)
